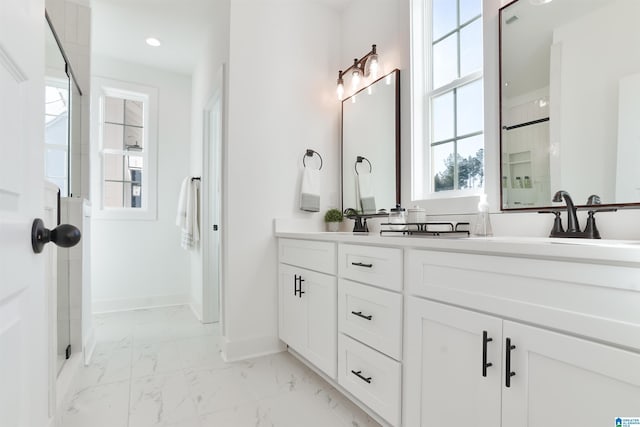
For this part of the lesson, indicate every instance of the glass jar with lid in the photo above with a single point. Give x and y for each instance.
(397, 218)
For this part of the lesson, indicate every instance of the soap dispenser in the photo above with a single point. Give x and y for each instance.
(482, 225)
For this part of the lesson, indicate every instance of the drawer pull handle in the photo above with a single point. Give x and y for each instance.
(508, 372)
(297, 280)
(361, 264)
(363, 378)
(485, 365)
(359, 314)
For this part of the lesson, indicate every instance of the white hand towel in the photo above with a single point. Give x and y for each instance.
(365, 192)
(187, 218)
(181, 215)
(310, 190)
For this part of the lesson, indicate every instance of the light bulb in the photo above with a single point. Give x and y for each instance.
(355, 78)
(374, 66)
(340, 88)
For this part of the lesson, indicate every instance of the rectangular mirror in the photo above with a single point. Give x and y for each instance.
(371, 146)
(570, 98)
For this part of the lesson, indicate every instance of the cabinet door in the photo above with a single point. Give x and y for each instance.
(566, 381)
(445, 378)
(292, 310)
(308, 318)
(321, 296)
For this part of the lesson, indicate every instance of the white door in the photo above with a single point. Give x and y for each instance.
(23, 337)
(212, 200)
(566, 381)
(453, 372)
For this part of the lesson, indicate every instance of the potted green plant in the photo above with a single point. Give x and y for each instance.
(333, 218)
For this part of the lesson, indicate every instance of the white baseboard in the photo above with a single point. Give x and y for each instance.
(124, 304)
(196, 309)
(88, 347)
(233, 351)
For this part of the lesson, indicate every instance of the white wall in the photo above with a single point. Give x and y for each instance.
(215, 54)
(140, 263)
(283, 60)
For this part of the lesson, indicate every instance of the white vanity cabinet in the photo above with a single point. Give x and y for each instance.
(307, 301)
(493, 369)
(370, 327)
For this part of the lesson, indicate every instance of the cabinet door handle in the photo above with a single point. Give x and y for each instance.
(485, 365)
(359, 314)
(360, 264)
(295, 285)
(300, 291)
(359, 375)
(508, 373)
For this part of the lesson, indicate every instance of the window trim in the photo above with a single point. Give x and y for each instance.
(101, 88)
(455, 201)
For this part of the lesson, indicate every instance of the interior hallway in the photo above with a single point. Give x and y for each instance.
(162, 367)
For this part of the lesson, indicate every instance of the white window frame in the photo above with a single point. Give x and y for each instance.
(454, 201)
(101, 88)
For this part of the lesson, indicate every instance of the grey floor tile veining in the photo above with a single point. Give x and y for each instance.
(162, 368)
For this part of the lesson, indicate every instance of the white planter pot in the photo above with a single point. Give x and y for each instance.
(333, 226)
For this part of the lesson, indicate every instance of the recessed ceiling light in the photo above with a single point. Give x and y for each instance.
(539, 2)
(152, 41)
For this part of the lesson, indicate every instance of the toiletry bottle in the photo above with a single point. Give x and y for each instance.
(482, 226)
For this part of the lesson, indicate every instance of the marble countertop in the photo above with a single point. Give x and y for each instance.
(619, 252)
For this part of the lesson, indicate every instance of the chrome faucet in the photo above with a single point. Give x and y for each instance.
(572, 217)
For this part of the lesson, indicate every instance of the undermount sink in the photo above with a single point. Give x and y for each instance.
(594, 242)
(568, 241)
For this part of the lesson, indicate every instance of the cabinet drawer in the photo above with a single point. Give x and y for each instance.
(318, 256)
(370, 264)
(371, 315)
(370, 376)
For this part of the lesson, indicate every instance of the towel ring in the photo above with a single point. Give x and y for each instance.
(310, 153)
(359, 159)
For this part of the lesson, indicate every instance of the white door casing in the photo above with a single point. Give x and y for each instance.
(211, 186)
(23, 333)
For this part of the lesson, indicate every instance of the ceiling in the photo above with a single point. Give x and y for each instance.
(120, 27)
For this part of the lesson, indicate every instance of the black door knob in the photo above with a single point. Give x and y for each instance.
(64, 235)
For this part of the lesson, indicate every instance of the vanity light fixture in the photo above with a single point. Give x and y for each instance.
(152, 41)
(366, 66)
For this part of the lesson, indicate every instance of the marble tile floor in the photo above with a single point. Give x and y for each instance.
(162, 368)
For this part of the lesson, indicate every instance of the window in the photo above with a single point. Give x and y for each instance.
(125, 179)
(56, 134)
(450, 146)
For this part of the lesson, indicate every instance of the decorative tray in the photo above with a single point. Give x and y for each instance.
(433, 229)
